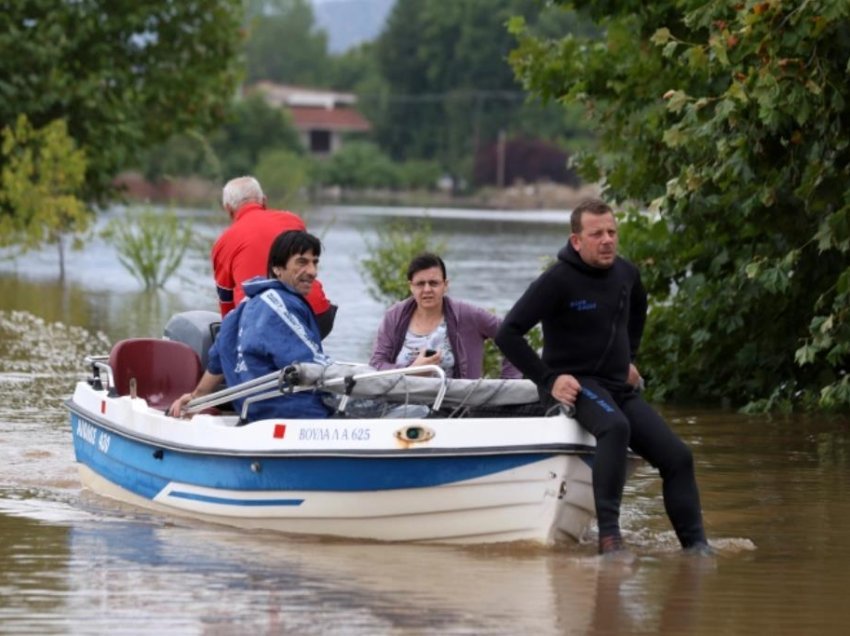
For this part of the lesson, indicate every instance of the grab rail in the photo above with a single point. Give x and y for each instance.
(232, 393)
(101, 363)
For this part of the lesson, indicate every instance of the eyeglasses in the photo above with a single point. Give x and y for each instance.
(421, 284)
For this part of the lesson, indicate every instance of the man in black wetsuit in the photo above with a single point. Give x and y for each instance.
(592, 306)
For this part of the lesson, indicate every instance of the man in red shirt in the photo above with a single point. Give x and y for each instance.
(242, 250)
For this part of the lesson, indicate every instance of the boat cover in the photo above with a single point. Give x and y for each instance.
(412, 388)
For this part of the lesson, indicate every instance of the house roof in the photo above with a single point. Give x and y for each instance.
(315, 108)
(339, 119)
(289, 95)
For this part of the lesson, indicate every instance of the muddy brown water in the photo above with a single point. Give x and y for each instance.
(775, 493)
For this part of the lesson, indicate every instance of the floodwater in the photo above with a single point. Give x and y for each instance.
(775, 490)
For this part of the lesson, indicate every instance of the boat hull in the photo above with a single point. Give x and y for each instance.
(466, 481)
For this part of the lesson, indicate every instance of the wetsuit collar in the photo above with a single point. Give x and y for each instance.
(569, 255)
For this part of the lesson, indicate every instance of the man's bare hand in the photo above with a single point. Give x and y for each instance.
(566, 389)
(176, 408)
(634, 379)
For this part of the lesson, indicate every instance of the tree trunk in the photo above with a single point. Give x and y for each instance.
(60, 244)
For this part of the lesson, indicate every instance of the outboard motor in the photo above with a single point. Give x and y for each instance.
(197, 328)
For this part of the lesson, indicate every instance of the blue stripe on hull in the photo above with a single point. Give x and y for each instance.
(134, 466)
(230, 501)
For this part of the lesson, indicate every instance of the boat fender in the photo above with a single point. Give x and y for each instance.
(414, 434)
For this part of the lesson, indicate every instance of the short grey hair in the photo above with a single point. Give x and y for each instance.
(241, 190)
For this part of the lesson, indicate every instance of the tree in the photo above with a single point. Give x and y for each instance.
(252, 127)
(285, 178)
(41, 175)
(729, 120)
(182, 155)
(450, 89)
(358, 164)
(123, 74)
(284, 44)
(356, 69)
(437, 58)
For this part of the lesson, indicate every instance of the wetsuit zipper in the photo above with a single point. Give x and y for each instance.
(620, 304)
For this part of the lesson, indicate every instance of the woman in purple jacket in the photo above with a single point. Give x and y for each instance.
(431, 328)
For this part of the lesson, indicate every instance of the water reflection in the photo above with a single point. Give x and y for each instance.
(210, 580)
(33, 557)
(124, 314)
(137, 574)
(651, 598)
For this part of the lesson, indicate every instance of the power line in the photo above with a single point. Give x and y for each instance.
(447, 95)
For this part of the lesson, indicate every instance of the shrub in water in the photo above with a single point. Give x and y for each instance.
(150, 244)
(385, 267)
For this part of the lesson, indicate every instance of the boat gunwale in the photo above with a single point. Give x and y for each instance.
(400, 452)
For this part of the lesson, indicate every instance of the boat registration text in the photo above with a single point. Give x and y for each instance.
(89, 433)
(334, 433)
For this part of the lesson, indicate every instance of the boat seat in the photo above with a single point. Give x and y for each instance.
(163, 369)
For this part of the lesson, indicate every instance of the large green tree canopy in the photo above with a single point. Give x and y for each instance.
(123, 74)
(252, 128)
(449, 87)
(285, 45)
(731, 120)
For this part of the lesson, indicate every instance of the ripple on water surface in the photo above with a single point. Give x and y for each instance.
(39, 365)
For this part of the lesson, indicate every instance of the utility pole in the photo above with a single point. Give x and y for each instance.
(500, 159)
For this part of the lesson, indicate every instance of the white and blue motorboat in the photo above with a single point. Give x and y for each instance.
(452, 461)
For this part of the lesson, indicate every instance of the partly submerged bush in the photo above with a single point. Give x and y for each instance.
(150, 243)
(390, 254)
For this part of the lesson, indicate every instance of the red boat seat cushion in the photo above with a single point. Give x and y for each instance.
(163, 369)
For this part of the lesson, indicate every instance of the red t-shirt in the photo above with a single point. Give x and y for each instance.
(242, 252)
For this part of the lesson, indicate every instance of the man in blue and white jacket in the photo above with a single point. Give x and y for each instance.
(274, 327)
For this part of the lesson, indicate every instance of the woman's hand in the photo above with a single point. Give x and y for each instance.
(423, 358)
